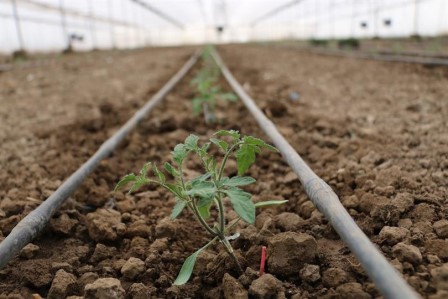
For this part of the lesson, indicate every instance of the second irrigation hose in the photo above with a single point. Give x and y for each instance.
(388, 281)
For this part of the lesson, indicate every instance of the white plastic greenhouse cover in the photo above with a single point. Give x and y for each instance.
(46, 25)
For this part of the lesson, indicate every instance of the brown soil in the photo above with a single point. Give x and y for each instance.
(374, 131)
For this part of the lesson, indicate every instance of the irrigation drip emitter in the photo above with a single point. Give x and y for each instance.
(388, 281)
(30, 226)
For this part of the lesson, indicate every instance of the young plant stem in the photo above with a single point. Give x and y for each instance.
(224, 161)
(230, 251)
(222, 219)
(194, 208)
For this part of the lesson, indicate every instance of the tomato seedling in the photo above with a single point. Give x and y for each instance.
(208, 90)
(211, 189)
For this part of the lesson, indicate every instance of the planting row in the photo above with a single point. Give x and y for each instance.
(95, 230)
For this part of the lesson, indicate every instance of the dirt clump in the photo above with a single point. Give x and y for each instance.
(352, 290)
(289, 251)
(265, 287)
(441, 228)
(165, 228)
(407, 253)
(102, 223)
(288, 221)
(392, 235)
(29, 251)
(310, 273)
(141, 291)
(232, 289)
(104, 288)
(334, 277)
(132, 268)
(61, 284)
(37, 273)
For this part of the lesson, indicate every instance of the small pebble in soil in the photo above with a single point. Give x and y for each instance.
(85, 279)
(132, 268)
(104, 288)
(294, 96)
(433, 259)
(403, 202)
(289, 251)
(441, 294)
(440, 277)
(61, 265)
(310, 273)
(267, 286)
(392, 235)
(29, 251)
(441, 228)
(407, 253)
(61, 284)
(102, 252)
(166, 228)
(37, 272)
(100, 224)
(141, 291)
(306, 209)
(159, 245)
(248, 276)
(352, 290)
(288, 221)
(334, 276)
(232, 289)
(139, 228)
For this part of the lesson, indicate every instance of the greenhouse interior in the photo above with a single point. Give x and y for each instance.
(223, 149)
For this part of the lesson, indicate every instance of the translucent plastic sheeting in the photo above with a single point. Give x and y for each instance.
(133, 26)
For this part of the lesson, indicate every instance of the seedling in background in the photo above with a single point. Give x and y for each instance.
(208, 89)
(210, 189)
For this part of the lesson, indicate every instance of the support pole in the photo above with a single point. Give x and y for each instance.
(18, 28)
(64, 25)
(416, 17)
(111, 26)
(92, 24)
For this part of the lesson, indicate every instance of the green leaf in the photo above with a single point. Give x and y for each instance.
(239, 181)
(269, 203)
(187, 268)
(139, 182)
(258, 142)
(170, 169)
(197, 105)
(204, 205)
(144, 170)
(229, 97)
(191, 142)
(220, 143)
(179, 153)
(173, 188)
(232, 133)
(158, 173)
(205, 147)
(242, 204)
(125, 180)
(211, 164)
(245, 157)
(178, 208)
(201, 178)
(202, 189)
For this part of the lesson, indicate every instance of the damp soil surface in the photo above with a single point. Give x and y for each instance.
(376, 132)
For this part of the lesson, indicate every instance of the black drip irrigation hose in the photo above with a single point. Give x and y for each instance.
(30, 226)
(388, 281)
(426, 60)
